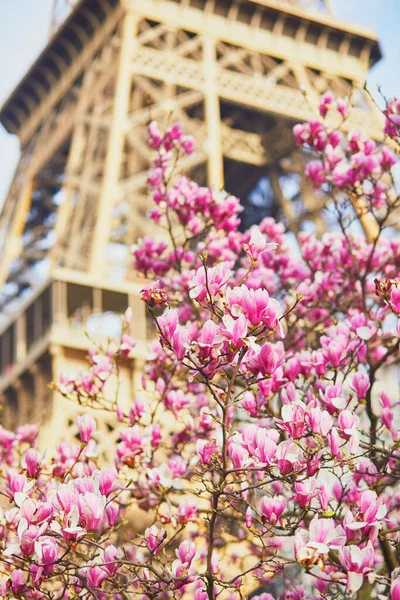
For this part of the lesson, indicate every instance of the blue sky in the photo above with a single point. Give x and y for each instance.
(25, 26)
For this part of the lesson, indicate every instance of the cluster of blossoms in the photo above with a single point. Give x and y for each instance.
(263, 443)
(351, 163)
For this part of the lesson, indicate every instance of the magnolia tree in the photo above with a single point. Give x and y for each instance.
(263, 453)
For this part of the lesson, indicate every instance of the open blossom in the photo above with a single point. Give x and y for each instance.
(258, 243)
(293, 419)
(288, 456)
(323, 535)
(187, 511)
(369, 519)
(181, 567)
(256, 305)
(210, 282)
(357, 562)
(266, 360)
(235, 330)
(71, 530)
(26, 538)
(305, 492)
(260, 444)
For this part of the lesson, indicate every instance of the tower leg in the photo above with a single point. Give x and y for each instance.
(115, 145)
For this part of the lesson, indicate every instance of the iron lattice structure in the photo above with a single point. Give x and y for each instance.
(237, 73)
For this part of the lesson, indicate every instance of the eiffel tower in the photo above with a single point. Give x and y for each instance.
(237, 73)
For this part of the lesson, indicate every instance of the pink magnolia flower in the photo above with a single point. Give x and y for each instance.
(372, 513)
(293, 419)
(46, 550)
(395, 589)
(110, 557)
(209, 342)
(260, 444)
(17, 582)
(287, 456)
(95, 575)
(372, 507)
(361, 385)
(322, 535)
(127, 344)
(66, 497)
(27, 510)
(180, 341)
(26, 538)
(153, 538)
(258, 243)
(206, 450)
(324, 495)
(188, 144)
(272, 508)
(332, 397)
(181, 567)
(249, 517)
(266, 360)
(348, 422)
(176, 400)
(312, 133)
(112, 512)
(187, 511)
(106, 479)
(249, 403)
(186, 552)
(200, 593)
(212, 281)
(327, 101)
(33, 460)
(256, 305)
(91, 508)
(239, 455)
(305, 491)
(335, 443)
(320, 421)
(71, 530)
(17, 487)
(235, 330)
(357, 562)
(86, 426)
(154, 135)
(316, 172)
(168, 322)
(395, 299)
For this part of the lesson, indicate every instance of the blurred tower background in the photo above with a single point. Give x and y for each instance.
(237, 73)
(60, 11)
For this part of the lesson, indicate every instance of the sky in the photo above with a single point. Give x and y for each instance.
(24, 28)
